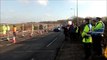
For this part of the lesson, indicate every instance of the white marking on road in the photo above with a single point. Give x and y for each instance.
(8, 44)
(51, 42)
(32, 59)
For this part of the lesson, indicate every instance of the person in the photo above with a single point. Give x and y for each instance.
(98, 30)
(66, 33)
(4, 30)
(87, 39)
(76, 32)
(8, 31)
(71, 30)
(14, 30)
(68, 30)
(32, 30)
(77, 29)
(22, 30)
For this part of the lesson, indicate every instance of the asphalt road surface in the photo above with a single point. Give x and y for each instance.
(51, 46)
(43, 48)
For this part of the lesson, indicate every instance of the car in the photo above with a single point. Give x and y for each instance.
(57, 29)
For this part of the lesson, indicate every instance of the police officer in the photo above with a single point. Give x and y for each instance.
(87, 39)
(98, 30)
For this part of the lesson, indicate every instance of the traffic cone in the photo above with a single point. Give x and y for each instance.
(14, 40)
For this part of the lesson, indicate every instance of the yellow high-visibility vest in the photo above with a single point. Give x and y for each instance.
(4, 29)
(84, 33)
(8, 28)
(77, 29)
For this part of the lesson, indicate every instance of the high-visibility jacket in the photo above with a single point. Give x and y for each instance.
(77, 29)
(86, 37)
(8, 28)
(4, 29)
(14, 29)
(32, 27)
(98, 28)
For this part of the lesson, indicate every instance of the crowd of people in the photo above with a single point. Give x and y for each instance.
(90, 33)
(10, 32)
(7, 31)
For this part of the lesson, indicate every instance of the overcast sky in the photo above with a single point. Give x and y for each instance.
(16, 11)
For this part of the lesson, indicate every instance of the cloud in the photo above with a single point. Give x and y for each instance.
(42, 2)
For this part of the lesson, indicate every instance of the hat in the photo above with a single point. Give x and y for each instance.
(98, 18)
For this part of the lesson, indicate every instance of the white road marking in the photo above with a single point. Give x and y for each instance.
(51, 42)
(8, 44)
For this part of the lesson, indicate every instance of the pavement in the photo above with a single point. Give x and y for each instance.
(73, 50)
(36, 48)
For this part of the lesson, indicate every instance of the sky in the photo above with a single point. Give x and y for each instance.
(18, 11)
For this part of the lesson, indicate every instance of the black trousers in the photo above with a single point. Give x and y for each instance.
(97, 45)
(87, 49)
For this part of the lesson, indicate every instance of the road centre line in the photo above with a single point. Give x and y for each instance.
(51, 42)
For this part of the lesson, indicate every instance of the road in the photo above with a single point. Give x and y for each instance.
(51, 46)
(43, 48)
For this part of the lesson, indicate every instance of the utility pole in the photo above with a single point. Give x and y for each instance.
(77, 12)
(106, 8)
